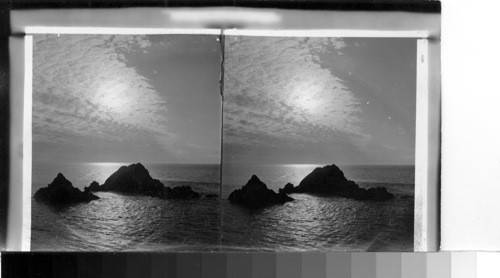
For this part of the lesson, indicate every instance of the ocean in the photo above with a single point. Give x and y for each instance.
(317, 223)
(119, 222)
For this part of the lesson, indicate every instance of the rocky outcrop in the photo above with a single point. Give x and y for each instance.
(330, 180)
(287, 189)
(211, 196)
(255, 194)
(61, 191)
(180, 192)
(132, 179)
(135, 179)
(94, 186)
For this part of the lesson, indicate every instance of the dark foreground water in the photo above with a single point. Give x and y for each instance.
(321, 223)
(127, 222)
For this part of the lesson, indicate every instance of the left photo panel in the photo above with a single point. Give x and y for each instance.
(126, 142)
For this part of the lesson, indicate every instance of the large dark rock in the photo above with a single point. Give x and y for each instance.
(94, 186)
(61, 191)
(135, 179)
(287, 189)
(330, 180)
(180, 192)
(211, 196)
(255, 194)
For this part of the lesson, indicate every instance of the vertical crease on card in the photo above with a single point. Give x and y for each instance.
(221, 81)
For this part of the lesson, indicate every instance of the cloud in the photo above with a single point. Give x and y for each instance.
(83, 90)
(278, 92)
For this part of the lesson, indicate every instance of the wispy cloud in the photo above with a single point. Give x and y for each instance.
(277, 92)
(83, 89)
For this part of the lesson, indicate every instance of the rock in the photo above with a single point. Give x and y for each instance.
(94, 186)
(132, 179)
(255, 194)
(61, 191)
(135, 179)
(287, 189)
(180, 192)
(211, 196)
(378, 194)
(330, 180)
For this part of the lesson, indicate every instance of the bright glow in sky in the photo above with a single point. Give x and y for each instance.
(100, 98)
(319, 100)
(126, 98)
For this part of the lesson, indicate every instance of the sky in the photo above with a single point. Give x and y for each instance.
(319, 100)
(149, 99)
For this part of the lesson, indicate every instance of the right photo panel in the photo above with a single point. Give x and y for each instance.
(318, 144)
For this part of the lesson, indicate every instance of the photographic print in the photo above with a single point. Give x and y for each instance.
(126, 142)
(318, 144)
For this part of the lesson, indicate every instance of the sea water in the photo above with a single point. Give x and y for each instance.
(128, 222)
(318, 223)
(310, 223)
